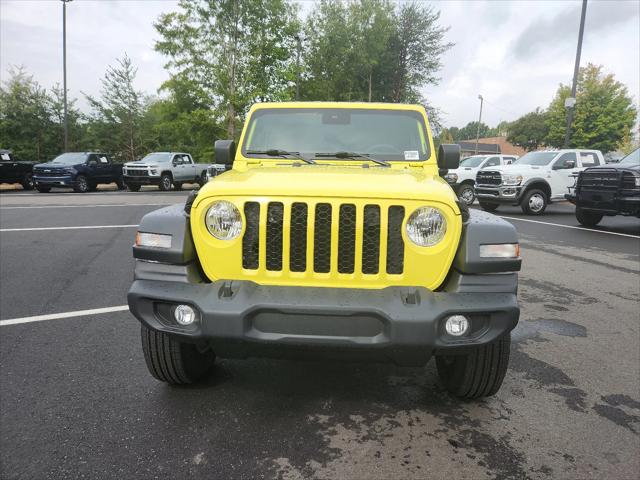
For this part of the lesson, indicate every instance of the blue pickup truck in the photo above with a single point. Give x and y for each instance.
(82, 171)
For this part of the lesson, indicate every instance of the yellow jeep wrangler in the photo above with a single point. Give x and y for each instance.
(333, 235)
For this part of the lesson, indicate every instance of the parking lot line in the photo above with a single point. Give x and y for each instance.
(568, 226)
(86, 227)
(89, 206)
(57, 316)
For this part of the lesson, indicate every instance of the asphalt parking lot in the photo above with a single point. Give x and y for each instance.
(76, 400)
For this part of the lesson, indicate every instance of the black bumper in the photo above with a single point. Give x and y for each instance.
(606, 203)
(401, 324)
(60, 181)
(142, 180)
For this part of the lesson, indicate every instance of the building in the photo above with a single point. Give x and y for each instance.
(490, 145)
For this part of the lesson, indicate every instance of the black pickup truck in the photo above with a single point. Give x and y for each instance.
(612, 189)
(13, 170)
(82, 171)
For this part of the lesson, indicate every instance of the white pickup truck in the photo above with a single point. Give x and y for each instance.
(463, 178)
(164, 169)
(534, 180)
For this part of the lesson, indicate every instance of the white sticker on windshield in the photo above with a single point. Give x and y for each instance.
(411, 155)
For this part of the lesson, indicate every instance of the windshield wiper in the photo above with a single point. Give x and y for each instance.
(274, 152)
(354, 155)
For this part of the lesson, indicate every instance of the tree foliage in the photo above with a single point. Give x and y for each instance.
(470, 131)
(529, 131)
(604, 112)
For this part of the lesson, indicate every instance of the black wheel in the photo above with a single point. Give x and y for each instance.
(43, 189)
(467, 194)
(165, 182)
(93, 187)
(588, 219)
(81, 185)
(134, 187)
(203, 179)
(177, 185)
(120, 184)
(28, 183)
(477, 374)
(534, 202)
(488, 206)
(172, 361)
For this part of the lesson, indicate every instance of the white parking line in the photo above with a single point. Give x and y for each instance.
(57, 316)
(64, 228)
(88, 206)
(568, 226)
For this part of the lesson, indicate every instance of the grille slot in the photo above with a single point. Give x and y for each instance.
(371, 240)
(488, 178)
(322, 239)
(275, 217)
(600, 178)
(298, 238)
(629, 181)
(395, 244)
(347, 239)
(137, 173)
(250, 241)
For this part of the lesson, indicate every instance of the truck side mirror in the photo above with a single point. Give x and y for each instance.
(448, 156)
(225, 151)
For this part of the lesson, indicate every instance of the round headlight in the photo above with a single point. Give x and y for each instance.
(426, 226)
(223, 220)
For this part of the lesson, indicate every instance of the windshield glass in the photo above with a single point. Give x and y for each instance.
(157, 158)
(383, 134)
(472, 161)
(632, 158)
(70, 158)
(536, 158)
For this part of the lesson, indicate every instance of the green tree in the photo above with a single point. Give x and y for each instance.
(75, 128)
(237, 52)
(604, 112)
(470, 131)
(529, 131)
(117, 115)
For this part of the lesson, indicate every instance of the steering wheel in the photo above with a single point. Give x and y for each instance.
(383, 148)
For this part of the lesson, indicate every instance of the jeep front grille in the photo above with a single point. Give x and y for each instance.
(485, 177)
(324, 238)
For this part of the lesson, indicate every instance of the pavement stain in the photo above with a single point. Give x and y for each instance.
(612, 409)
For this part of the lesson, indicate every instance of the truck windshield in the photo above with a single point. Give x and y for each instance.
(382, 134)
(70, 158)
(536, 158)
(157, 158)
(472, 161)
(633, 158)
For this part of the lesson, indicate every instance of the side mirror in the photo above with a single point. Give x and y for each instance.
(448, 157)
(92, 163)
(225, 151)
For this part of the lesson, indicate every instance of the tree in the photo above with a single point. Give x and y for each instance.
(604, 112)
(237, 52)
(470, 131)
(529, 131)
(118, 113)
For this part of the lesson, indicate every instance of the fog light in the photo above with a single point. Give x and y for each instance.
(185, 315)
(456, 325)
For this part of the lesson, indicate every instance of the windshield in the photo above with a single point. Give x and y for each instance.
(472, 161)
(157, 158)
(70, 158)
(383, 134)
(633, 158)
(536, 158)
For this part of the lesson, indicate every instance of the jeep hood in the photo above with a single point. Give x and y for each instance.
(330, 181)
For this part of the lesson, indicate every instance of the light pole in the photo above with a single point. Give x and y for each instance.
(298, 48)
(571, 101)
(64, 71)
(479, 122)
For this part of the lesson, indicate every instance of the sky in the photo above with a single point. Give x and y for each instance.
(514, 53)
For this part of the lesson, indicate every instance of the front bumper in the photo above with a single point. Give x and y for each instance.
(143, 180)
(607, 203)
(509, 194)
(61, 181)
(404, 325)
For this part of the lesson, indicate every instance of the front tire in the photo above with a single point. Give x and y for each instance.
(202, 181)
(177, 185)
(172, 361)
(479, 373)
(43, 189)
(165, 182)
(467, 194)
(81, 185)
(488, 207)
(28, 183)
(588, 219)
(133, 187)
(534, 202)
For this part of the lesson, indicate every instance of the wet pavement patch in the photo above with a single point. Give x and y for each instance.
(530, 329)
(612, 411)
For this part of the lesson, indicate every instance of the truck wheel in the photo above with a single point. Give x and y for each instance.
(202, 181)
(534, 202)
(81, 185)
(479, 373)
(93, 187)
(588, 219)
(177, 185)
(43, 189)
(134, 187)
(165, 182)
(121, 185)
(467, 194)
(489, 207)
(172, 361)
(27, 183)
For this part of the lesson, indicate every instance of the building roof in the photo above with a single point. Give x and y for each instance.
(470, 146)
